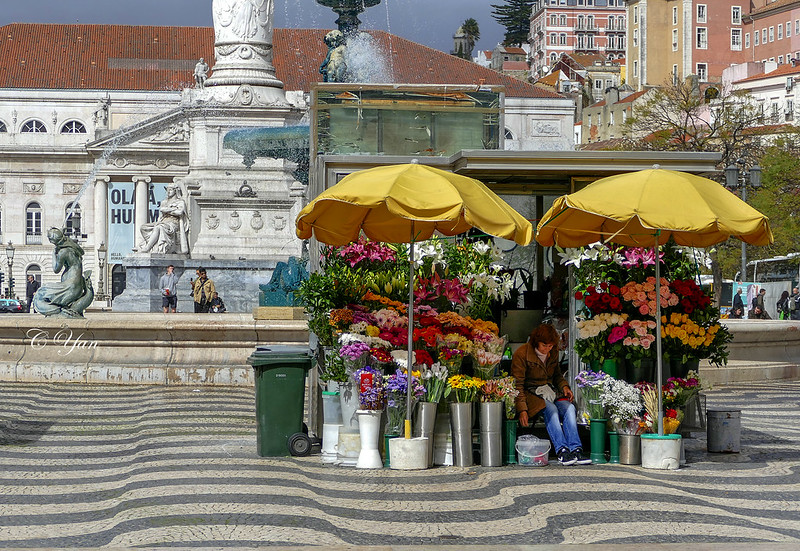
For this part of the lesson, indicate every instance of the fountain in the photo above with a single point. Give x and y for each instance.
(74, 293)
(348, 12)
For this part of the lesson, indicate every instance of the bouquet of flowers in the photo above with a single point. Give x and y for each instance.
(501, 390)
(396, 388)
(434, 379)
(487, 354)
(597, 336)
(371, 394)
(464, 388)
(591, 384)
(624, 405)
(678, 392)
(353, 351)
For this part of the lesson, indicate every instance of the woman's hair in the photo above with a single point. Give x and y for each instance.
(545, 333)
(784, 295)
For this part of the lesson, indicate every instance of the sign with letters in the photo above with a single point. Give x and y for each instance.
(122, 213)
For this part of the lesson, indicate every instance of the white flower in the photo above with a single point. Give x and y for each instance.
(348, 338)
(481, 247)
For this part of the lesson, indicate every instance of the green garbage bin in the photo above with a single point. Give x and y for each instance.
(280, 374)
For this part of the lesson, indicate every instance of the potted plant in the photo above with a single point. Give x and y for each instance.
(623, 402)
(463, 392)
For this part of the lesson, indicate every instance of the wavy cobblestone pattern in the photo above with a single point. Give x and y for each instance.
(85, 466)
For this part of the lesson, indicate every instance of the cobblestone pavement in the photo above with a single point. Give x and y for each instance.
(101, 466)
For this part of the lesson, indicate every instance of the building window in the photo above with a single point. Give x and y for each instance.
(598, 84)
(701, 13)
(746, 41)
(674, 40)
(635, 15)
(553, 57)
(581, 24)
(34, 127)
(755, 38)
(73, 127)
(33, 224)
(624, 116)
(553, 39)
(702, 72)
(763, 36)
(589, 120)
(73, 224)
(789, 111)
(610, 118)
(609, 83)
(3, 127)
(736, 39)
(780, 32)
(636, 68)
(675, 15)
(635, 38)
(562, 39)
(702, 38)
(674, 74)
(788, 29)
(772, 34)
(562, 20)
(590, 22)
(553, 20)
(736, 15)
(590, 42)
(797, 26)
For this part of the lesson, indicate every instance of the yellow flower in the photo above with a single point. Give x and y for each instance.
(373, 331)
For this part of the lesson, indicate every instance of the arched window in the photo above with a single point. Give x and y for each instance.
(3, 127)
(34, 126)
(508, 134)
(33, 224)
(34, 270)
(72, 219)
(73, 127)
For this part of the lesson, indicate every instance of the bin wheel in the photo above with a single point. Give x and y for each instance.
(299, 444)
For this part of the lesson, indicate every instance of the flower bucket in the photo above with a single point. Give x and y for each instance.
(640, 370)
(532, 451)
(630, 449)
(609, 367)
(661, 452)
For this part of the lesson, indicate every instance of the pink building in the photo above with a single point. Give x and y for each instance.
(575, 27)
(773, 31)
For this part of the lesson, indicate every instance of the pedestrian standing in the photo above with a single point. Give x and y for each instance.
(202, 291)
(30, 290)
(169, 289)
(794, 304)
(737, 312)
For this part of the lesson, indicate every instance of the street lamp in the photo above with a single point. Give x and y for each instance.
(102, 251)
(10, 256)
(736, 178)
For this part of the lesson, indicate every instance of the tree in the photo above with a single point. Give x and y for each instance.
(678, 117)
(473, 34)
(515, 16)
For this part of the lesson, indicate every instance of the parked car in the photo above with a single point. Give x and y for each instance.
(10, 305)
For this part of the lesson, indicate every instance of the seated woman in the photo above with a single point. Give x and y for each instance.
(535, 368)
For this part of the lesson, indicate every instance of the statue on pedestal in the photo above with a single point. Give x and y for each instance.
(170, 233)
(70, 297)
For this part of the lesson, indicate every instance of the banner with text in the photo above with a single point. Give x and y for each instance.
(122, 213)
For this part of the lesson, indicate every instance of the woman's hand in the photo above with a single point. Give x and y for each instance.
(523, 418)
(568, 393)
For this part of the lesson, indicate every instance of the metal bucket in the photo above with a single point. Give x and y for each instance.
(461, 427)
(724, 429)
(630, 449)
(491, 415)
(425, 423)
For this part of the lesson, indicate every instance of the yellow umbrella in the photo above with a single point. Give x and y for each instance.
(408, 202)
(646, 208)
(403, 204)
(628, 209)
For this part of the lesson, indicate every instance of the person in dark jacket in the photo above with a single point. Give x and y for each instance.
(30, 289)
(737, 312)
(542, 388)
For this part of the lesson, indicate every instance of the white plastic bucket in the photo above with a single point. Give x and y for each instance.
(532, 451)
(661, 452)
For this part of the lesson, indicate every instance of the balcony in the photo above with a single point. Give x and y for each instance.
(33, 239)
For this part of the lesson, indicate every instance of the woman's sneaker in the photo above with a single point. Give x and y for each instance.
(580, 458)
(566, 457)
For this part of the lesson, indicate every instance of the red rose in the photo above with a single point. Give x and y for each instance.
(604, 286)
(591, 289)
(613, 289)
(614, 303)
(578, 295)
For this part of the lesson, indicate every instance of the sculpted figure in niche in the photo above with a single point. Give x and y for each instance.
(334, 67)
(243, 20)
(74, 293)
(170, 233)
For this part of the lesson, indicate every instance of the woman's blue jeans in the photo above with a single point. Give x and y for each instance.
(562, 426)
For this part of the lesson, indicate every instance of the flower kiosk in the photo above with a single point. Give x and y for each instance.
(421, 310)
(639, 210)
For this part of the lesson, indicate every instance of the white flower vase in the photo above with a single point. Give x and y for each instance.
(348, 400)
(369, 428)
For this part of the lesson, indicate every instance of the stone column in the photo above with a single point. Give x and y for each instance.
(243, 44)
(101, 210)
(141, 206)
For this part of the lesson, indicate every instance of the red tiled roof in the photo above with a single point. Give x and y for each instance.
(514, 50)
(633, 97)
(782, 70)
(515, 66)
(124, 57)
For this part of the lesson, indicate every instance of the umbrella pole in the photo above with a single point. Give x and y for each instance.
(659, 358)
(410, 363)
